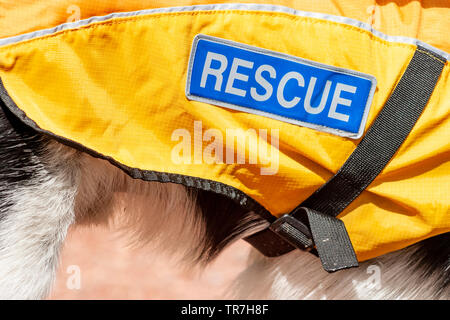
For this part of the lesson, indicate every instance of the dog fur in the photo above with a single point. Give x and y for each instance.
(45, 187)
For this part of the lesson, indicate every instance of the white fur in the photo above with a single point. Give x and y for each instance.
(33, 231)
(72, 186)
(299, 275)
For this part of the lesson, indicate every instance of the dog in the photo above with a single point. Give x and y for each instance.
(46, 186)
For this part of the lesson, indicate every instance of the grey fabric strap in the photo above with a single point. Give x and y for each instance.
(382, 140)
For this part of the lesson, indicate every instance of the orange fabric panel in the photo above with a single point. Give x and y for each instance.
(426, 20)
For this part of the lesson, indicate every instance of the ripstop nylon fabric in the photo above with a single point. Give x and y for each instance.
(100, 86)
(382, 140)
(421, 19)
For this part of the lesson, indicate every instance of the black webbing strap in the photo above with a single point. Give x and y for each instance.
(317, 214)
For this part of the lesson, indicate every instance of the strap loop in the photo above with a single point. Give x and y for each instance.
(293, 231)
(382, 140)
(327, 233)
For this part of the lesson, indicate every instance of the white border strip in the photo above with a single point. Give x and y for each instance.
(295, 59)
(221, 7)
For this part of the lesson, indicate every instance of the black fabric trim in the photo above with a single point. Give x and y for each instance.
(407, 100)
(382, 140)
(230, 192)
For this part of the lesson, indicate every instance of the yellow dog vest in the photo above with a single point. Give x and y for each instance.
(126, 87)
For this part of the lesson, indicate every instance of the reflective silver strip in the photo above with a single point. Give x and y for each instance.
(222, 7)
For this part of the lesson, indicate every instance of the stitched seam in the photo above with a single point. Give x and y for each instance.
(432, 56)
(121, 20)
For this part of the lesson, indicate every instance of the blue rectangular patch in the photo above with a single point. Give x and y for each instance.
(279, 86)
